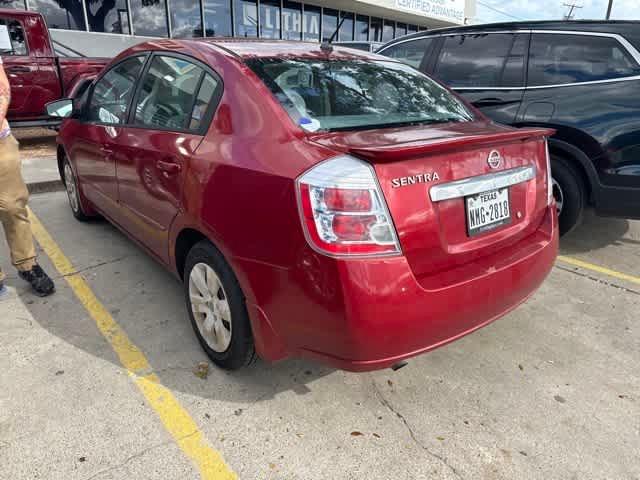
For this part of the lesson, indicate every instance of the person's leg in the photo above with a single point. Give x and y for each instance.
(15, 218)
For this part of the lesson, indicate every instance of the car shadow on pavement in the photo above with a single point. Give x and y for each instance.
(596, 232)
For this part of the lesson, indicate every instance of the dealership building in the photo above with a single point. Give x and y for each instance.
(359, 20)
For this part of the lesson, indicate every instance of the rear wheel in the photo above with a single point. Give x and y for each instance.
(73, 193)
(217, 308)
(569, 192)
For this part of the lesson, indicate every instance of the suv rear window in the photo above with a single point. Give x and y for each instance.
(556, 59)
(357, 94)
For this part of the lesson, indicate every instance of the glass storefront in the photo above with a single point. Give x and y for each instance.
(278, 19)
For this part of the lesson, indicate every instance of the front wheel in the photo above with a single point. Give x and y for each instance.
(569, 192)
(217, 308)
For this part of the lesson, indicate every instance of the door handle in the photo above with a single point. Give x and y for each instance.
(18, 70)
(168, 168)
(490, 102)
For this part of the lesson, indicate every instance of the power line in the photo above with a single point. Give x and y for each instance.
(500, 11)
(572, 6)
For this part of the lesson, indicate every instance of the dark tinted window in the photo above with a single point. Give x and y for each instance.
(411, 52)
(186, 19)
(291, 20)
(108, 16)
(346, 28)
(362, 28)
(112, 93)
(168, 93)
(208, 91)
(246, 18)
(69, 17)
(311, 23)
(556, 59)
(269, 18)
(329, 24)
(476, 60)
(149, 17)
(13, 42)
(217, 18)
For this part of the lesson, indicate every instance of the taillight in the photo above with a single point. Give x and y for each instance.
(343, 211)
(549, 177)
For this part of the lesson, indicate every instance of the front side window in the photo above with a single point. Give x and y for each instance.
(168, 93)
(474, 60)
(556, 59)
(12, 40)
(411, 52)
(355, 94)
(113, 92)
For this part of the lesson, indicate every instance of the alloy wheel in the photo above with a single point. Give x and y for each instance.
(558, 194)
(72, 189)
(210, 307)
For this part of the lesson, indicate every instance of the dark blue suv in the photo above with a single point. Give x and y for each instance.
(581, 78)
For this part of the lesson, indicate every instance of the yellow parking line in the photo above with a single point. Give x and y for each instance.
(174, 417)
(596, 268)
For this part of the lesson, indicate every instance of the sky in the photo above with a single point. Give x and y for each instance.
(508, 10)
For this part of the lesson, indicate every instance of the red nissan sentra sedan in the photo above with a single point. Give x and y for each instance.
(316, 201)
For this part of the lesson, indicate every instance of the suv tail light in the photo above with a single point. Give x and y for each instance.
(549, 177)
(343, 211)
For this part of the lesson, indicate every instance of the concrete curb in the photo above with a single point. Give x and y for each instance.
(45, 187)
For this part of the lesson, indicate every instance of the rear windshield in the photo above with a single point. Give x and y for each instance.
(334, 95)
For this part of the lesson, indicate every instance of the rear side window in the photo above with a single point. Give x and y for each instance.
(168, 93)
(411, 52)
(557, 59)
(12, 41)
(206, 97)
(482, 60)
(113, 92)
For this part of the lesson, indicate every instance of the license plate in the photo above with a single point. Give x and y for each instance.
(487, 210)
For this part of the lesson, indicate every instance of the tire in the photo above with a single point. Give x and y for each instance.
(219, 317)
(76, 202)
(570, 193)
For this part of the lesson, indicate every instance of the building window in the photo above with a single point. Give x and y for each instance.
(246, 18)
(110, 16)
(362, 28)
(401, 29)
(269, 18)
(149, 17)
(329, 24)
(70, 17)
(376, 30)
(412, 29)
(388, 32)
(311, 23)
(186, 19)
(292, 20)
(346, 27)
(217, 18)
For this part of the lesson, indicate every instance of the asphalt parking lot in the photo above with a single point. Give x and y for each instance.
(551, 391)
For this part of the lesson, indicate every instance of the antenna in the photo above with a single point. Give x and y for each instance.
(572, 7)
(326, 46)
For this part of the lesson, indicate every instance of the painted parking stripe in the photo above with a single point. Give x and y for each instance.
(597, 268)
(174, 417)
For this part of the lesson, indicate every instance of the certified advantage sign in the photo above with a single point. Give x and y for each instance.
(449, 10)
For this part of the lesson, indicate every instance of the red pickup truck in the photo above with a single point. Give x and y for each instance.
(37, 75)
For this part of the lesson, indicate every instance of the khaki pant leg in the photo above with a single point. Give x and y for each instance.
(13, 206)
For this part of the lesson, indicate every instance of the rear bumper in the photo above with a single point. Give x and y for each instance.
(390, 315)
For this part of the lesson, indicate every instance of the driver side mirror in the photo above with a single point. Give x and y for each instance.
(60, 108)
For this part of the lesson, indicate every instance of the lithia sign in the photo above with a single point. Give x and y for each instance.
(449, 10)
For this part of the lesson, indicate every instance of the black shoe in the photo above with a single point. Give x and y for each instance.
(40, 282)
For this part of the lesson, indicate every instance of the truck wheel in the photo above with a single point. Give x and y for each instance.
(570, 194)
(217, 308)
(76, 200)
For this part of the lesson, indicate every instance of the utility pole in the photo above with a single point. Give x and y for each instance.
(572, 7)
(609, 9)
